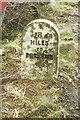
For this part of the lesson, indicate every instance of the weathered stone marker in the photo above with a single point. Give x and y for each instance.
(40, 50)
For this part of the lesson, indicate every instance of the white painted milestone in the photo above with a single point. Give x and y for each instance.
(40, 50)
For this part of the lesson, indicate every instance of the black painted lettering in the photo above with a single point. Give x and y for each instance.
(31, 56)
(46, 43)
(40, 34)
(36, 42)
(32, 42)
(36, 55)
(51, 57)
(42, 42)
(35, 35)
(27, 55)
(39, 42)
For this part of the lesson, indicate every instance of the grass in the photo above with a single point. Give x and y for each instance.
(61, 7)
(68, 52)
(67, 35)
(68, 2)
(45, 101)
(37, 99)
